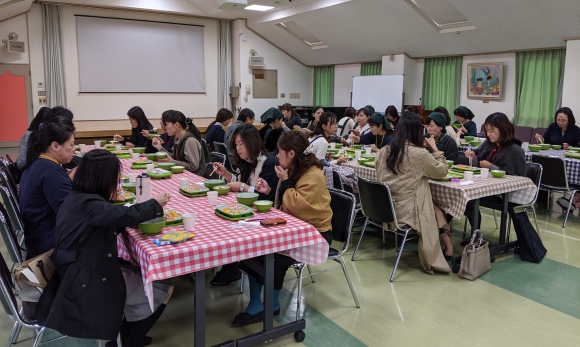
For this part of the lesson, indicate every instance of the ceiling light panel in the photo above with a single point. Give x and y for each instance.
(259, 8)
(442, 15)
(302, 34)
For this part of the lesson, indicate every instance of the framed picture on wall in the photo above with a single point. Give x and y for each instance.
(485, 81)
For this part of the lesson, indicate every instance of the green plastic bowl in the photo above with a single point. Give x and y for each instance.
(544, 146)
(263, 205)
(363, 160)
(222, 190)
(338, 145)
(161, 155)
(534, 148)
(556, 147)
(139, 150)
(449, 164)
(151, 156)
(152, 227)
(497, 173)
(333, 151)
(166, 166)
(457, 126)
(213, 183)
(177, 169)
(469, 138)
(247, 199)
(475, 143)
(131, 187)
(152, 136)
(357, 146)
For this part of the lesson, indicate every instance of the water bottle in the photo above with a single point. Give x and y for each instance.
(143, 188)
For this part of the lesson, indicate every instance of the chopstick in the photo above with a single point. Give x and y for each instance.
(214, 168)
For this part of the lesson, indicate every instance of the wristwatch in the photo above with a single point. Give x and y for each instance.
(242, 187)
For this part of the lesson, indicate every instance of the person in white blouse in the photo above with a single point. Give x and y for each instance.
(326, 127)
(362, 117)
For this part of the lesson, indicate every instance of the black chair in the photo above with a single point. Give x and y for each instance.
(10, 238)
(10, 305)
(14, 170)
(6, 177)
(377, 206)
(534, 172)
(539, 131)
(524, 134)
(11, 206)
(555, 178)
(221, 148)
(205, 150)
(213, 157)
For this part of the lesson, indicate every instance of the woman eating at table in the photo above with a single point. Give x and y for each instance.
(215, 130)
(449, 130)
(302, 193)
(501, 151)
(187, 149)
(464, 118)
(405, 166)
(379, 136)
(166, 140)
(319, 138)
(563, 131)
(254, 163)
(317, 111)
(291, 118)
(45, 184)
(436, 123)
(362, 117)
(139, 122)
(87, 295)
(392, 115)
(271, 131)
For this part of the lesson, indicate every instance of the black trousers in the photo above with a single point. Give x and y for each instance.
(493, 202)
(281, 264)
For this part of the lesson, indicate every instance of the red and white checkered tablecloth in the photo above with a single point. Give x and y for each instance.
(453, 198)
(215, 243)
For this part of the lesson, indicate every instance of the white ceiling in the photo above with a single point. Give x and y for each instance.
(363, 30)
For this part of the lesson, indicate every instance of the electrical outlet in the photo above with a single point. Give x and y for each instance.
(42, 100)
(297, 96)
(282, 95)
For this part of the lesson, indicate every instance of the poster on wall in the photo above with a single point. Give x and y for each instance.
(485, 81)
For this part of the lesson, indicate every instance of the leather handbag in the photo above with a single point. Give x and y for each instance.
(475, 260)
(36, 272)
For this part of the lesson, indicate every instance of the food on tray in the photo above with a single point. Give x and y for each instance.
(142, 161)
(171, 215)
(125, 195)
(121, 152)
(370, 163)
(123, 177)
(192, 188)
(233, 208)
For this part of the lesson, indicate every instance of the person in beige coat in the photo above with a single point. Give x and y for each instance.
(405, 166)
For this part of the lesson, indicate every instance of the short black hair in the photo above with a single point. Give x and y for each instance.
(57, 129)
(502, 123)
(98, 173)
(568, 112)
(245, 114)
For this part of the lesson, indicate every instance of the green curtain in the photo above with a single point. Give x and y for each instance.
(371, 69)
(324, 85)
(442, 82)
(538, 79)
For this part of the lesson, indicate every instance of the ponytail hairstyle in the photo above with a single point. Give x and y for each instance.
(137, 114)
(223, 115)
(39, 118)
(304, 158)
(57, 129)
(186, 123)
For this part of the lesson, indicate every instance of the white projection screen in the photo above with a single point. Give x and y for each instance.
(378, 91)
(132, 56)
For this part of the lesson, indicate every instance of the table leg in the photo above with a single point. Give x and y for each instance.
(503, 223)
(475, 215)
(268, 292)
(199, 309)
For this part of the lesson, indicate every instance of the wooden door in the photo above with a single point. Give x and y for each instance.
(15, 103)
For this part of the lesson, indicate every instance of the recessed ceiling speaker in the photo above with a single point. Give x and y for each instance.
(232, 5)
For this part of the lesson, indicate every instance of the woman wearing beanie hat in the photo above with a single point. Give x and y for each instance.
(380, 134)
(464, 118)
(436, 128)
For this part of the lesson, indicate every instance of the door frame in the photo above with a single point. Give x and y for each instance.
(19, 70)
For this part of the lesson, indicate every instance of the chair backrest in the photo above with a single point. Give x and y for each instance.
(337, 181)
(9, 236)
(540, 131)
(534, 172)
(376, 201)
(221, 148)
(11, 206)
(523, 134)
(554, 172)
(342, 204)
(215, 157)
(205, 150)
(6, 177)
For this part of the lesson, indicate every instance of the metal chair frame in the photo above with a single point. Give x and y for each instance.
(531, 204)
(221, 148)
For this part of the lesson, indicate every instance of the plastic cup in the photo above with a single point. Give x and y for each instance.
(357, 154)
(132, 177)
(368, 150)
(484, 173)
(189, 221)
(340, 151)
(135, 156)
(212, 198)
(525, 145)
(468, 175)
(184, 181)
(332, 145)
(150, 167)
(98, 144)
(82, 147)
(118, 147)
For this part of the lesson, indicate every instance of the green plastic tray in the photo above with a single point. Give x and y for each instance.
(461, 169)
(192, 195)
(177, 221)
(239, 217)
(454, 174)
(246, 214)
(159, 176)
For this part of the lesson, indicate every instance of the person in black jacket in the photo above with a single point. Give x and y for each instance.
(139, 123)
(563, 131)
(291, 119)
(254, 164)
(436, 123)
(272, 129)
(86, 296)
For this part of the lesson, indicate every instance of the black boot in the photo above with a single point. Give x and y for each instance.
(136, 336)
(228, 274)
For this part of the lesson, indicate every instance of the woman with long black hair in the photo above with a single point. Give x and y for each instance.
(139, 123)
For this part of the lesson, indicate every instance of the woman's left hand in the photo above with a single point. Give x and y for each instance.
(484, 164)
(165, 160)
(235, 186)
(281, 173)
(145, 133)
(374, 148)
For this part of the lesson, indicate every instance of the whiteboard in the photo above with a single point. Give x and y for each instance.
(377, 91)
(132, 56)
